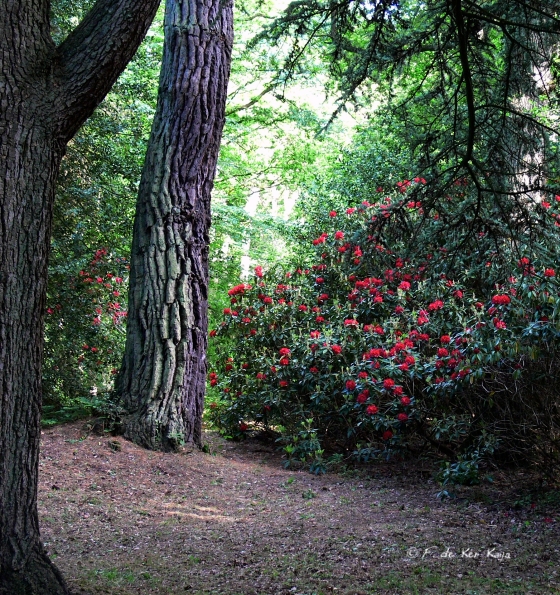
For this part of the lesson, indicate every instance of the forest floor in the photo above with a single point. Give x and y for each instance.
(121, 520)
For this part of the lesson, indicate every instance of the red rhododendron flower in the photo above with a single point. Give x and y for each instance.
(302, 308)
(501, 300)
(332, 214)
(336, 349)
(399, 310)
(436, 305)
(314, 370)
(350, 385)
(405, 401)
(404, 285)
(372, 409)
(422, 318)
(387, 435)
(549, 273)
(388, 383)
(402, 417)
(284, 351)
(284, 361)
(239, 289)
(442, 352)
(351, 322)
(339, 235)
(445, 339)
(283, 383)
(363, 375)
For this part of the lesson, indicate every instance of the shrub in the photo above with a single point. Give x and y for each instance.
(84, 333)
(379, 347)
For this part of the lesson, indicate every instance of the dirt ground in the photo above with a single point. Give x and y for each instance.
(121, 520)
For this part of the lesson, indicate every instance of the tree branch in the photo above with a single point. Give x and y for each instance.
(94, 55)
(462, 38)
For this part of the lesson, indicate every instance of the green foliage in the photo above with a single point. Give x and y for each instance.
(470, 87)
(92, 231)
(268, 148)
(84, 334)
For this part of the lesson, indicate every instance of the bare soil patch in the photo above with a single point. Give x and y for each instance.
(121, 520)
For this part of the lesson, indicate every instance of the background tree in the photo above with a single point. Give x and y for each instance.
(162, 380)
(471, 85)
(46, 93)
(269, 151)
(93, 215)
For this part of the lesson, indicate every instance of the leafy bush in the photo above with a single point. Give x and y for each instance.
(84, 333)
(396, 337)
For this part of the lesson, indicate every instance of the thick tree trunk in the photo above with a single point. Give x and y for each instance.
(46, 93)
(28, 169)
(162, 381)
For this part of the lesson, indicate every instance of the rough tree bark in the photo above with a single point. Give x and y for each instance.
(46, 93)
(162, 380)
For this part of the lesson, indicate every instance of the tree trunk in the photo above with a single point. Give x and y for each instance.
(46, 93)
(27, 180)
(162, 380)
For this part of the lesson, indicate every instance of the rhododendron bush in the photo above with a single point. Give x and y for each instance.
(387, 342)
(84, 332)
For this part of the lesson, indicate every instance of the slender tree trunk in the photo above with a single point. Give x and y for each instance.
(46, 93)
(162, 380)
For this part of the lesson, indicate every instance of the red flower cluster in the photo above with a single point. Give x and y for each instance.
(239, 289)
(436, 305)
(501, 300)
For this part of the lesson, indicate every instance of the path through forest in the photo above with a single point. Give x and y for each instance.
(121, 520)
